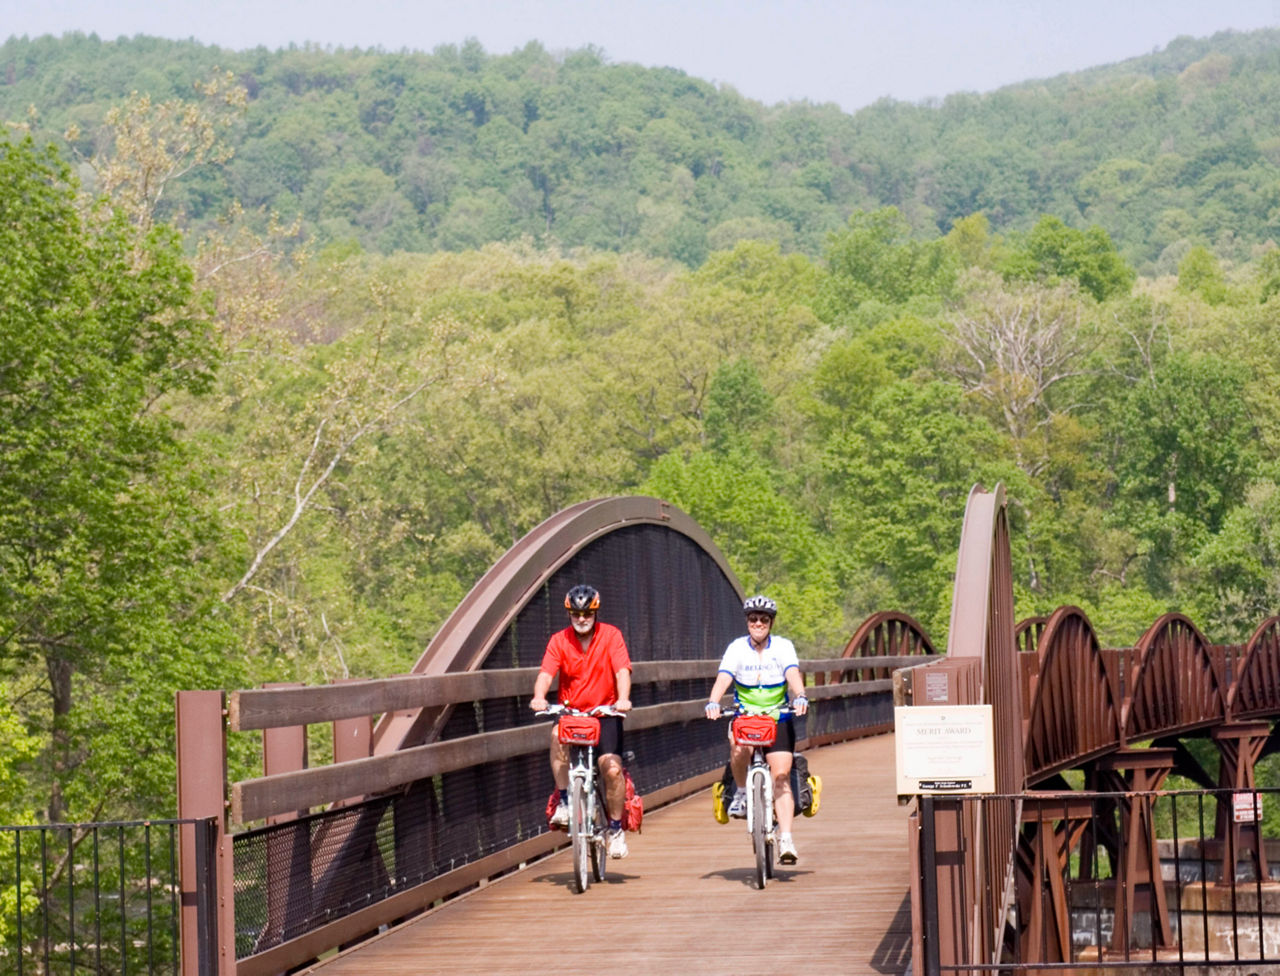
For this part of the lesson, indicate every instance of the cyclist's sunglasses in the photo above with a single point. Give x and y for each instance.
(759, 618)
(582, 613)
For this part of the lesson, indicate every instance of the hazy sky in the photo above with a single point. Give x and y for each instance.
(850, 52)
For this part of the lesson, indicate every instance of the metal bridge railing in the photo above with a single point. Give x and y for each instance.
(1177, 881)
(328, 854)
(100, 898)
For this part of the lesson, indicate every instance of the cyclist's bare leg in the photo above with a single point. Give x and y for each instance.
(559, 760)
(615, 785)
(783, 804)
(739, 760)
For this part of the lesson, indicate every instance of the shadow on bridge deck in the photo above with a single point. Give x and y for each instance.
(684, 900)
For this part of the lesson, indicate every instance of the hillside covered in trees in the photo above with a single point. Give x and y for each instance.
(238, 448)
(456, 148)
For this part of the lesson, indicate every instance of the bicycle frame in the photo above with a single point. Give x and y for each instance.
(760, 800)
(586, 804)
(758, 771)
(582, 769)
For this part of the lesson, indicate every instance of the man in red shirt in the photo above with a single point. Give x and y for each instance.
(595, 669)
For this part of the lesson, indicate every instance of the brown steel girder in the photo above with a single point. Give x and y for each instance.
(886, 633)
(1028, 632)
(976, 845)
(1176, 684)
(1075, 706)
(1256, 691)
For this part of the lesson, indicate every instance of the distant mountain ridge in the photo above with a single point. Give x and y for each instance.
(449, 150)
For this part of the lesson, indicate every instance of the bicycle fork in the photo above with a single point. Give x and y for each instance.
(582, 769)
(759, 769)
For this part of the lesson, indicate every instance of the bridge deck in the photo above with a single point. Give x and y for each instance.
(684, 900)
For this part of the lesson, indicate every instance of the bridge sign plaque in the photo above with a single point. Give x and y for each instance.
(944, 749)
(1246, 807)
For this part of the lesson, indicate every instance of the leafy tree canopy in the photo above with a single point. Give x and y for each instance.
(103, 529)
(1053, 251)
(458, 147)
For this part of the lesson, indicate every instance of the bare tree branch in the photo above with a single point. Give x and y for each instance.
(1016, 343)
(302, 498)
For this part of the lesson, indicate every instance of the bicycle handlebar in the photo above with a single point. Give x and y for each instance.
(555, 711)
(734, 712)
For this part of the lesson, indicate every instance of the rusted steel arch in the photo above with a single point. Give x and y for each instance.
(886, 633)
(982, 623)
(1027, 634)
(1075, 708)
(1176, 685)
(1256, 692)
(465, 639)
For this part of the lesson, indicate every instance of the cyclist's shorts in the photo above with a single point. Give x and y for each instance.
(786, 740)
(610, 736)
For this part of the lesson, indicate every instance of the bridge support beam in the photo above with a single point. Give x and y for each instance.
(284, 750)
(1241, 746)
(1053, 826)
(1137, 773)
(207, 928)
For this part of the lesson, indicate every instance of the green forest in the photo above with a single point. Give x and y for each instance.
(294, 344)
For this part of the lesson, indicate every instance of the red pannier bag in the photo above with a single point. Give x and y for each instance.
(579, 730)
(633, 807)
(754, 730)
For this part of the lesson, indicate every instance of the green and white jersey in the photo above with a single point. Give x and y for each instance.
(760, 677)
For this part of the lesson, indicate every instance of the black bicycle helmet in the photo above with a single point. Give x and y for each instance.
(760, 604)
(582, 597)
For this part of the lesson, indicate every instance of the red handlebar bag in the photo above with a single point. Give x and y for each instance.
(579, 730)
(754, 730)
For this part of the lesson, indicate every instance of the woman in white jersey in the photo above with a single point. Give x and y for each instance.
(765, 674)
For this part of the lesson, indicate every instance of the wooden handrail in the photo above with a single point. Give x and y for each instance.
(266, 796)
(270, 708)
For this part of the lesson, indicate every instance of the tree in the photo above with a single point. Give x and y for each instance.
(743, 505)
(1269, 274)
(1240, 566)
(1053, 251)
(876, 258)
(1184, 451)
(1200, 274)
(105, 535)
(739, 410)
(970, 240)
(144, 147)
(895, 479)
(1014, 345)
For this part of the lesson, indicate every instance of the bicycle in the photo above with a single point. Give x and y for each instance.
(587, 813)
(759, 731)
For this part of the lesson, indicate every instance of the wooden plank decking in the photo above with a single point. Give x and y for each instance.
(683, 902)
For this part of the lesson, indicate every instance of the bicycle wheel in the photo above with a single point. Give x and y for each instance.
(580, 835)
(599, 845)
(759, 828)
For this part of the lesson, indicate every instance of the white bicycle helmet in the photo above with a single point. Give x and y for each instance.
(760, 604)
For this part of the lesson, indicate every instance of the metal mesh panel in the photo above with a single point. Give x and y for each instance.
(667, 596)
(835, 715)
(341, 861)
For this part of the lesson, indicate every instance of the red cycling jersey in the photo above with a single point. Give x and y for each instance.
(587, 678)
